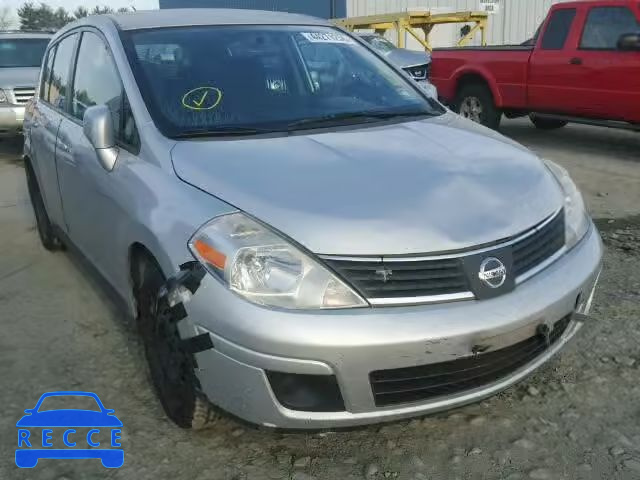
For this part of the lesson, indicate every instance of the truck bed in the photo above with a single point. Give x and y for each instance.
(508, 64)
(489, 48)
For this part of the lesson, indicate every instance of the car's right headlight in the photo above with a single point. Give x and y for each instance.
(3, 97)
(575, 213)
(263, 267)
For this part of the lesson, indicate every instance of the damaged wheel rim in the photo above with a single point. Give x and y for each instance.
(171, 368)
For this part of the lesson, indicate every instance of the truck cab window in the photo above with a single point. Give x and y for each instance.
(605, 25)
(558, 28)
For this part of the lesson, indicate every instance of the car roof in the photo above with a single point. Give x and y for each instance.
(175, 17)
(24, 34)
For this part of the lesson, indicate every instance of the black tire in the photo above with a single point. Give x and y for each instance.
(172, 369)
(475, 102)
(543, 123)
(43, 224)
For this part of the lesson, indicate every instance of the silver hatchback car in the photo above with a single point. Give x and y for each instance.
(305, 238)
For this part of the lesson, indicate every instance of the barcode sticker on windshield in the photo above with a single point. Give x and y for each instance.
(327, 37)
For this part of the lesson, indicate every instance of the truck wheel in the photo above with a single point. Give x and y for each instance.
(475, 102)
(547, 123)
(172, 368)
(43, 224)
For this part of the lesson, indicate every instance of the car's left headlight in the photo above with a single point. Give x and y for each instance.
(3, 97)
(575, 214)
(266, 269)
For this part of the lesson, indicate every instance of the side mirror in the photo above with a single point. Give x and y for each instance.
(98, 128)
(629, 42)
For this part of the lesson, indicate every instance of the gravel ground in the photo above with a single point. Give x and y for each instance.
(579, 418)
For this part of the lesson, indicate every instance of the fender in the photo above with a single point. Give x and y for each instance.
(479, 71)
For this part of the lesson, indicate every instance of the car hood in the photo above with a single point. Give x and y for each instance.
(69, 418)
(19, 77)
(408, 58)
(434, 185)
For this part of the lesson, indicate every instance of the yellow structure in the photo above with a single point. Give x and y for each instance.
(408, 22)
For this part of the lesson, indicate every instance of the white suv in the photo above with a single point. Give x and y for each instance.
(20, 59)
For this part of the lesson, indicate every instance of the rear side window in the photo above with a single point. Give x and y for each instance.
(59, 88)
(558, 28)
(97, 82)
(46, 75)
(605, 25)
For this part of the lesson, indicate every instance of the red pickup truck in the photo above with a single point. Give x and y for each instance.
(583, 65)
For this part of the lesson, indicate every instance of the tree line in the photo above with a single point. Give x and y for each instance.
(43, 17)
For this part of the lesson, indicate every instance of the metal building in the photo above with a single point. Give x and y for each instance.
(510, 21)
(317, 8)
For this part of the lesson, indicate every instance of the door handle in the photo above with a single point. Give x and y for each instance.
(575, 61)
(68, 156)
(35, 124)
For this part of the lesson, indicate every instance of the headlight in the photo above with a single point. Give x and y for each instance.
(3, 97)
(418, 72)
(576, 219)
(264, 268)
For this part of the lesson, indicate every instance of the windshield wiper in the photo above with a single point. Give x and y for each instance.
(367, 116)
(224, 131)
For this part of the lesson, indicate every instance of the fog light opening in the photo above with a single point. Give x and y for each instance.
(310, 393)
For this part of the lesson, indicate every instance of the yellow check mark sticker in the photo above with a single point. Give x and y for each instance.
(202, 98)
(199, 104)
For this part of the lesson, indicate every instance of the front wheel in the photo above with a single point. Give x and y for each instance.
(172, 368)
(26, 458)
(475, 102)
(112, 458)
(543, 123)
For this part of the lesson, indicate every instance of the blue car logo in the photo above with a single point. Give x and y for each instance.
(36, 434)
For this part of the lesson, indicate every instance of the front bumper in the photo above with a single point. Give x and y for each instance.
(11, 119)
(429, 88)
(249, 340)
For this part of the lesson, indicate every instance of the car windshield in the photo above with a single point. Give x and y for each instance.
(66, 402)
(380, 43)
(199, 80)
(22, 52)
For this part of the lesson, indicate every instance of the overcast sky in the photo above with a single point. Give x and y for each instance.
(71, 5)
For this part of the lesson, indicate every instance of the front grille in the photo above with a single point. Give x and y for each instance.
(538, 247)
(22, 95)
(414, 384)
(410, 281)
(407, 279)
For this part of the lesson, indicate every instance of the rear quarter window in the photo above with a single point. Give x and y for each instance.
(59, 88)
(45, 84)
(558, 28)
